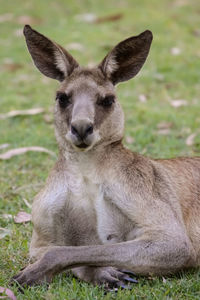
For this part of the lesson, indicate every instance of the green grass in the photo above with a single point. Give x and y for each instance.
(164, 77)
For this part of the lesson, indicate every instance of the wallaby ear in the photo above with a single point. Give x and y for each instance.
(127, 58)
(50, 58)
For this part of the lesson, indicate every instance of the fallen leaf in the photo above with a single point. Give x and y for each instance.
(170, 85)
(12, 67)
(23, 20)
(3, 146)
(88, 18)
(164, 131)
(4, 232)
(6, 17)
(92, 18)
(175, 51)
(111, 18)
(180, 3)
(27, 112)
(19, 151)
(142, 98)
(8, 293)
(75, 46)
(164, 125)
(129, 139)
(22, 217)
(178, 103)
(190, 139)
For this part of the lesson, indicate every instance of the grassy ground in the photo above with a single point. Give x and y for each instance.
(164, 78)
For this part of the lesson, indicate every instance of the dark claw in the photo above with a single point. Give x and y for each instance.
(128, 272)
(129, 279)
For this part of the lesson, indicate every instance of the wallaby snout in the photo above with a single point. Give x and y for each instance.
(82, 131)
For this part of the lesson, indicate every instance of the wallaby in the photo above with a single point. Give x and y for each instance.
(105, 209)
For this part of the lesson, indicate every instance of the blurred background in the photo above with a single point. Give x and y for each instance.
(161, 104)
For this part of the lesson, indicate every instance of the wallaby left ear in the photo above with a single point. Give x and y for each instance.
(127, 58)
(50, 58)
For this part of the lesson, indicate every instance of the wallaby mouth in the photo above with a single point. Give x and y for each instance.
(82, 145)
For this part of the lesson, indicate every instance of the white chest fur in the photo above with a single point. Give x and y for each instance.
(112, 225)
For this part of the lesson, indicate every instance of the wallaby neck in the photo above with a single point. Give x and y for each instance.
(96, 161)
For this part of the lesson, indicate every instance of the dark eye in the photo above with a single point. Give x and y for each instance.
(64, 99)
(106, 101)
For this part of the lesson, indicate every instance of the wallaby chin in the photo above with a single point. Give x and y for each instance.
(105, 211)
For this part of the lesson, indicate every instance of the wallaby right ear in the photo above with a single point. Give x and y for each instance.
(127, 58)
(50, 58)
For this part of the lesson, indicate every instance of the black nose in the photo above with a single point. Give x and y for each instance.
(81, 129)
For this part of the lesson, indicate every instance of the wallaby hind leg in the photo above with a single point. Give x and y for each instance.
(109, 276)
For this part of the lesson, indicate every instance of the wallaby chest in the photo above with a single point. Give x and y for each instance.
(93, 208)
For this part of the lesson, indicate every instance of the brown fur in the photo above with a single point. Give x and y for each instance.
(103, 207)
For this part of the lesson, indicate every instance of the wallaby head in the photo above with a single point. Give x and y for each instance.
(87, 112)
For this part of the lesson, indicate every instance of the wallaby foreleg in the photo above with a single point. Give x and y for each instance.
(140, 256)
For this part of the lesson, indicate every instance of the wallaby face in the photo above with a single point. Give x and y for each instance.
(87, 112)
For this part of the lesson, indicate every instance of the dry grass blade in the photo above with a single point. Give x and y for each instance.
(164, 131)
(23, 20)
(22, 217)
(178, 103)
(6, 17)
(27, 203)
(19, 151)
(4, 232)
(7, 216)
(164, 125)
(88, 18)
(75, 46)
(12, 67)
(175, 51)
(190, 139)
(111, 18)
(26, 112)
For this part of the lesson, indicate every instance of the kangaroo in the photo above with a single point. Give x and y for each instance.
(104, 209)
